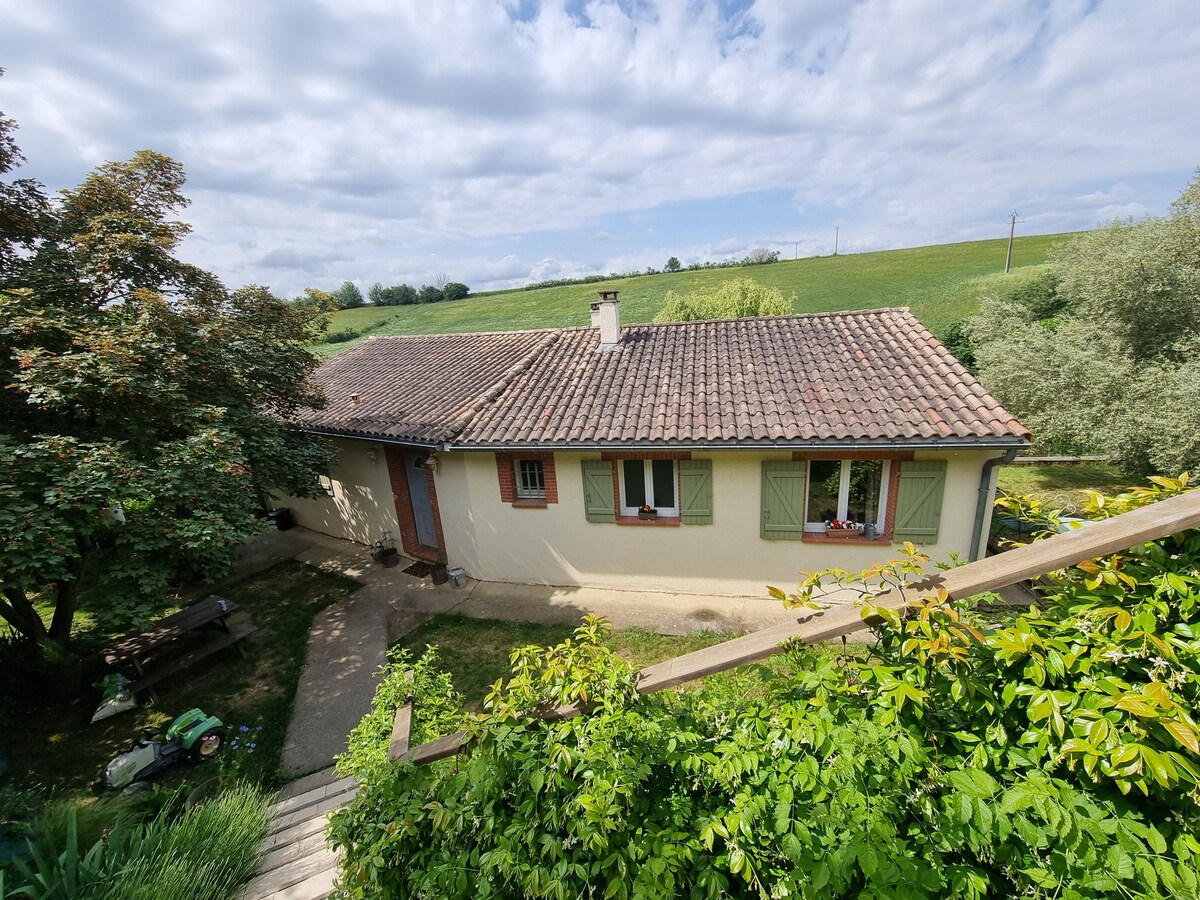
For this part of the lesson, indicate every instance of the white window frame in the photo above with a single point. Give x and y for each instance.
(648, 474)
(844, 493)
(524, 493)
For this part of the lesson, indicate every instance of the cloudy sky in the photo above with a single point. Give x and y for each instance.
(503, 141)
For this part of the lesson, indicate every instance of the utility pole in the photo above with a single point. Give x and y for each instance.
(1012, 228)
(836, 229)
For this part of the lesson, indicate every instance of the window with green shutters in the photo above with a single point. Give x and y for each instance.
(783, 500)
(919, 501)
(599, 503)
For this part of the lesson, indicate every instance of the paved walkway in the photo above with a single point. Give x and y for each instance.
(348, 641)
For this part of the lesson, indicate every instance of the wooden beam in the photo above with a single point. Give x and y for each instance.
(1113, 535)
(401, 726)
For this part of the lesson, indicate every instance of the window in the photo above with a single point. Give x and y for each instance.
(649, 482)
(846, 489)
(531, 479)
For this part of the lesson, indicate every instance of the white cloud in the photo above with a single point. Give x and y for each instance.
(365, 135)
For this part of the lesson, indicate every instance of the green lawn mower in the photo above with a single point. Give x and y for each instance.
(194, 734)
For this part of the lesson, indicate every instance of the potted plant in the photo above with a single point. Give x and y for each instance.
(646, 511)
(384, 551)
(843, 528)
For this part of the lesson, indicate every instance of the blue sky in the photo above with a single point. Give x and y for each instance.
(508, 141)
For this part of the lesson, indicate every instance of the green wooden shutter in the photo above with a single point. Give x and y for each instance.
(598, 501)
(695, 490)
(783, 500)
(919, 501)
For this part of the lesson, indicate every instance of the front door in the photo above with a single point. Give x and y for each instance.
(418, 491)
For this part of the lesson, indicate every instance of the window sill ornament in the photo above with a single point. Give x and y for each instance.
(843, 528)
(647, 512)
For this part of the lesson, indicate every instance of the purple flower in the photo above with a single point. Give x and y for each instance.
(244, 728)
(259, 728)
(252, 746)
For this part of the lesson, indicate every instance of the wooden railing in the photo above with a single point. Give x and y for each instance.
(1121, 532)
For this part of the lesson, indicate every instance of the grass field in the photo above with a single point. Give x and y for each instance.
(934, 281)
(1065, 486)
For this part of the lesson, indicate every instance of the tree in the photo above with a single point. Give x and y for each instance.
(430, 294)
(349, 296)
(134, 382)
(399, 295)
(673, 264)
(375, 294)
(1096, 352)
(760, 255)
(728, 300)
(455, 290)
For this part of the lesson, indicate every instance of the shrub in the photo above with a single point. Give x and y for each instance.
(728, 300)
(1053, 756)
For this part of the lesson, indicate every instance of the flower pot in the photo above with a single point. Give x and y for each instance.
(845, 533)
(440, 574)
(647, 516)
(387, 556)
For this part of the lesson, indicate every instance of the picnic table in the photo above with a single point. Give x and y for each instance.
(140, 649)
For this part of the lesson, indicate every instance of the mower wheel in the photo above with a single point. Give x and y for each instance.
(208, 744)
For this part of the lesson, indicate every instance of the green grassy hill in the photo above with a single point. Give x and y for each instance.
(934, 281)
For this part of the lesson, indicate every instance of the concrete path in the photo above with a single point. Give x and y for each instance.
(348, 641)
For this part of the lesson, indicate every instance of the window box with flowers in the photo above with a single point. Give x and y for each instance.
(647, 512)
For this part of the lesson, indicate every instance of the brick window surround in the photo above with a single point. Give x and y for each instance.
(893, 491)
(616, 456)
(409, 541)
(506, 474)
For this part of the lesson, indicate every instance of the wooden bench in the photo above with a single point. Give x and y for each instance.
(190, 658)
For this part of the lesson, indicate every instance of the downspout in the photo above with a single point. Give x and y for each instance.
(981, 505)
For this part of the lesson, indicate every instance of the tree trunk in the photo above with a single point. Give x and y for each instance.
(20, 614)
(68, 593)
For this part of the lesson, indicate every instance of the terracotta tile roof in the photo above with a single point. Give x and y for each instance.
(875, 376)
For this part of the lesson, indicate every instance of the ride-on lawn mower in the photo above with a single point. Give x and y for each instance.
(195, 734)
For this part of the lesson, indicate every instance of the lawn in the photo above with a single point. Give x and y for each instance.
(53, 746)
(475, 651)
(934, 281)
(1066, 486)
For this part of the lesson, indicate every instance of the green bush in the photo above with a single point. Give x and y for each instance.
(437, 710)
(1055, 756)
(731, 299)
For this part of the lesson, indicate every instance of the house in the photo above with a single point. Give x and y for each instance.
(524, 456)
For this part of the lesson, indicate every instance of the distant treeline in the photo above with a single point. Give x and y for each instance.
(405, 294)
(758, 257)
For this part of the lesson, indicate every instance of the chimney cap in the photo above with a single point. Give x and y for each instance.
(608, 295)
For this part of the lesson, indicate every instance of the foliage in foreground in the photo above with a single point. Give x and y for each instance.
(1052, 757)
(202, 853)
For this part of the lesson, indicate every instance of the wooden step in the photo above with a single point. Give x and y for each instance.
(289, 853)
(313, 810)
(308, 798)
(271, 884)
(308, 782)
(315, 825)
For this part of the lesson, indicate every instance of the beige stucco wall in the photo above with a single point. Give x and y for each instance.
(361, 506)
(557, 545)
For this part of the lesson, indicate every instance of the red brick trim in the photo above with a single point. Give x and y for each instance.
(506, 475)
(889, 519)
(804, 455)
(409, 542)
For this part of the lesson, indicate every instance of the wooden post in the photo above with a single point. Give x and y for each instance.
(401, 727)
(1121, 532)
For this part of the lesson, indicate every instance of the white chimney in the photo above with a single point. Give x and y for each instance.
(606, 314)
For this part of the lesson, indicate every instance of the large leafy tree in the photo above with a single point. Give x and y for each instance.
(134, 387)
(1103, 360)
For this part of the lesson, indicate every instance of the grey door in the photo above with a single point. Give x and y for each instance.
(418, 491)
